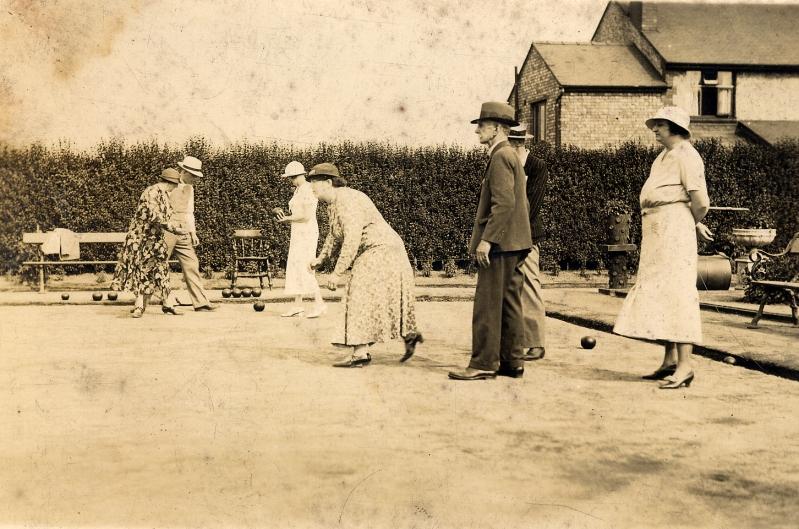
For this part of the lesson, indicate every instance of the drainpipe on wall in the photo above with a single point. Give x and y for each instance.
(557, 116)
(516, 91)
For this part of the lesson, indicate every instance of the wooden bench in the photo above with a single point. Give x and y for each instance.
(758, 257)
(38, 238)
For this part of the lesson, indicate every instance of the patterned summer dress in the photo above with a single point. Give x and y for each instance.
(664, 303)
(379, 299)
(142, 266)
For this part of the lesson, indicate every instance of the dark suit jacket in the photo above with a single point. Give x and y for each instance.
(536, 171)
(502, 213)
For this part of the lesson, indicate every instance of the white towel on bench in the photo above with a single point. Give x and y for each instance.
(65, 243)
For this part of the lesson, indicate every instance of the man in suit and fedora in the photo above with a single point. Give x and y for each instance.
(182, 200)
(500, 242)
(535, 170)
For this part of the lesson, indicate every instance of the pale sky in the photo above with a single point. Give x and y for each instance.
(406, 71)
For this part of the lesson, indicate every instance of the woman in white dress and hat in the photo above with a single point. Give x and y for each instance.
(663, 305)
(300, 279)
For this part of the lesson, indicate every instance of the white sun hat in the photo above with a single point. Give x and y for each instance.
(676, 115)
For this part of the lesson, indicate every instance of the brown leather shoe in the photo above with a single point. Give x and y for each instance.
(472, 374)
(206, 308)
(534, 353)
(410, 344)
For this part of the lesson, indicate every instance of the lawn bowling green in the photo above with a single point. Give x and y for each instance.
(236, 419)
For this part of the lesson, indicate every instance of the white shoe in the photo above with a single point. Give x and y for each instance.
(296, 311)
(316, 312)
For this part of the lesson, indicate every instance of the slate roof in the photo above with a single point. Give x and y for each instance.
(727, 34)
(771, 131)
(598, 65)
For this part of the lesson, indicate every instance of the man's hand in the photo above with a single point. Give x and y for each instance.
(195, 241)
(703, 233)
(481, 254)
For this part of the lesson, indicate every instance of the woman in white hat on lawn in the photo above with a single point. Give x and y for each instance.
(663, 305)
(300, 279)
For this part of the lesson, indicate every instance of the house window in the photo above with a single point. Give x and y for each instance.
(715, 93)
(538, 121)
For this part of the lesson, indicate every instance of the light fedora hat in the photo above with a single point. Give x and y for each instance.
(192, 165)
(170, 175)
(676, 115)
(499, 112)
(294, 169)
(520, 133)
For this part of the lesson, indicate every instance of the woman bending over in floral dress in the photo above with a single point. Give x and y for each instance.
(379, 299)
(142, 266)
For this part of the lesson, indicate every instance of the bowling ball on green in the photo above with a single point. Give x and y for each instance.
(258, 306)
(246, 292)
(588, 342)
(65, 296)
(256, 292)
(226, 293)
(236, 292)
(112, 296)
(97, 296)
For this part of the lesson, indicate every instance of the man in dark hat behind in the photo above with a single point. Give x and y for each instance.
(535, 169)
(500, 242)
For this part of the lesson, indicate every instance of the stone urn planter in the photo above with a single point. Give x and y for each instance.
(753, 237)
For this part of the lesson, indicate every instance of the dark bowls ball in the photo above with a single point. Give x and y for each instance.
(258, 306)
(236, 293)
(256, 292)
(112, 296)
(226, 293)
(97, 296)
(588, 342)
(246, 292)
(65, 296)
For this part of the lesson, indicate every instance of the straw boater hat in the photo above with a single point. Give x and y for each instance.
(323, 171)
(294, 169)
(499, 112)
(676, 115)
(192, 165)
(520, 133)
(170, 175)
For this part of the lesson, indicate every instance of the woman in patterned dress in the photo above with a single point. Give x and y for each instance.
(379, 299)
(143, 267)
(300, 279)
(663, 305)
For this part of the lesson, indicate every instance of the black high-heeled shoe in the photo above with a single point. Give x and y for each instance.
(661, 373)
(171, 311)
(411, 339)
(676, 384)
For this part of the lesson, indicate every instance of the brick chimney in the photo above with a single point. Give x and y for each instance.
(644, 15)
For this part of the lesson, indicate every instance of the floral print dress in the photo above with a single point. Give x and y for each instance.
(142, 266)
(379, 299)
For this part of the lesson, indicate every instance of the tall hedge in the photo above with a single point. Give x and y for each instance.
(428, 194)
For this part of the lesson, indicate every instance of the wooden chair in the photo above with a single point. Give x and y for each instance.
(250, 246)
(789, 287)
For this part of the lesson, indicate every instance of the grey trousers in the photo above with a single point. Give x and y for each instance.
(533, 302)
(181, 246)
(497, 320)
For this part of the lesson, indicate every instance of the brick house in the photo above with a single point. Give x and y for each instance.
(733, 67)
